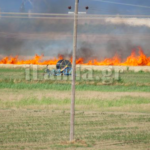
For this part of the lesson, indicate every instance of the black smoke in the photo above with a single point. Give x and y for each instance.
(51, 37)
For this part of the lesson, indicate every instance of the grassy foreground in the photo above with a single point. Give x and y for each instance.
(126, 81)
(35, 114)
(67, 87)
(39, 129)
(39, 119)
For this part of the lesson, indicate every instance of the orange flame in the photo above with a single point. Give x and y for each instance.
(132, 60)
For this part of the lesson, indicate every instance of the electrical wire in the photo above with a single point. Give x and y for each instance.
(46, 15)
(71, 17)
(52, 18)
(127, 4)
(41, 14)
(37, 36)
(25, 1)
(30, 2)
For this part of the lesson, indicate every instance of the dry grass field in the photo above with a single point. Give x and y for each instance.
(35, 115)
(35, 119)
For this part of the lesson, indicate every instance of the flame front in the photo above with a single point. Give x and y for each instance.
(132, 60)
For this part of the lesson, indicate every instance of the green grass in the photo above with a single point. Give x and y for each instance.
(43, 123)
(36, 123)
(50, 130)
(97, 103)
(127, 77)
(5, 70)
(128, 80)
(67, 87)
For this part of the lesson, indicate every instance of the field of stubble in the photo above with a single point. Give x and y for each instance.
(36, 115)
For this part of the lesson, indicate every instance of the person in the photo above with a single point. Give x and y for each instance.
(47, 71)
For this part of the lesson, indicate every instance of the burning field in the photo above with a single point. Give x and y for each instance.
(134, 59)
(112, 107)
(101, 42)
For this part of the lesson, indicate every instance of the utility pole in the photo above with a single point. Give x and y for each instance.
(72, 113)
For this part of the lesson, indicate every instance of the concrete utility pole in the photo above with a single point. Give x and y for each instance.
(72, 113)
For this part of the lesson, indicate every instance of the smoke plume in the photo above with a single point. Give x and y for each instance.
(129, 21)
(96, 38)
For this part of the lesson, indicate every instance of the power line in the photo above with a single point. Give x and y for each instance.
(30, 2)
(48, 38)
(68, 15)
(25, 1)
(26, 17)
(46, 15)
(71, 17)
(34, 34)
(53, 18)
(127, 4)
(64, 16)
(23, 13)
(80, 17)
